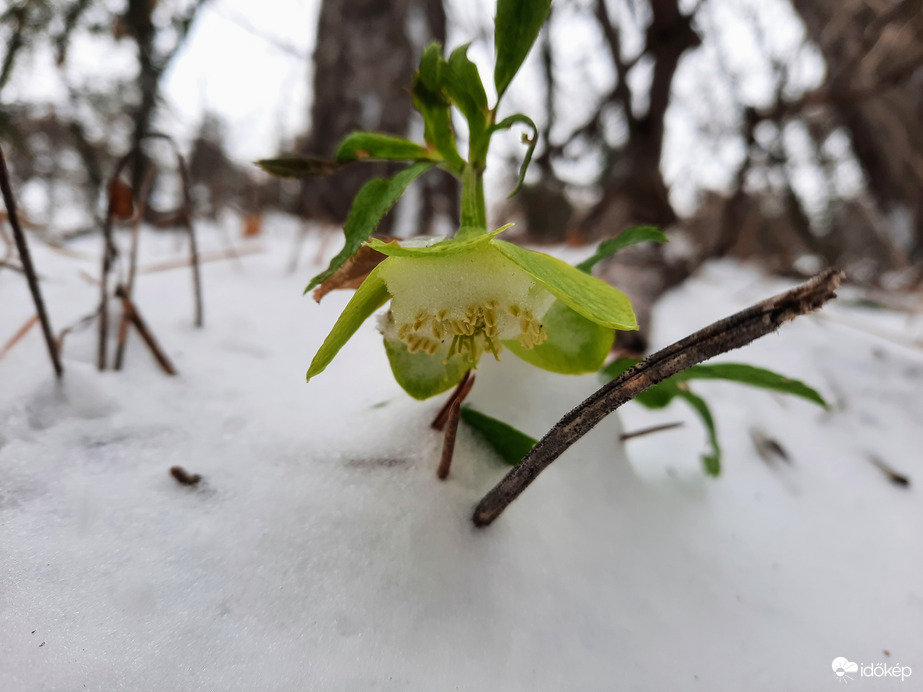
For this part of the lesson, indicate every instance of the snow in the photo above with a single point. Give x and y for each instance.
(321, 552)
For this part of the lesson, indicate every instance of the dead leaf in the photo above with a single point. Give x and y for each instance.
(121, 200)
(253, 225)
(353, 272)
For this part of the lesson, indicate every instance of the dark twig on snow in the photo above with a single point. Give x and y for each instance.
(448, 446)
(458, 394)
(144, 332)
(722, 336)
(892, 475)
(26, 259)
(649, 431)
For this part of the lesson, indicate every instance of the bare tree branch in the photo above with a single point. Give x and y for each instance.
(722, 336)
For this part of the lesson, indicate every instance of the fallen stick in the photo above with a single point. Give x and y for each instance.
(722, 336)
(26, 259)
(135, 317)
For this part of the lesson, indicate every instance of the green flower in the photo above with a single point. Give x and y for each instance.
(458, 299)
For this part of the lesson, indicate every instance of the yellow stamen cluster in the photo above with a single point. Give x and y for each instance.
(473, 331)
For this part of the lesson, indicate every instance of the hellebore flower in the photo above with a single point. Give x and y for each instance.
(458, 299)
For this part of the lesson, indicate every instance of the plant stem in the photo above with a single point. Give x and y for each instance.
(722, 336)
(26, 259)
(473, 208)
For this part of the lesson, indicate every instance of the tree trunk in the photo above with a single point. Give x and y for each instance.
(877, 42)
(363, 66)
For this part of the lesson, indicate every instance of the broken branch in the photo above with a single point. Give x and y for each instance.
(722, 336)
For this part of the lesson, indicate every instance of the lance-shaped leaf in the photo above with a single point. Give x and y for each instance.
(575, 345)
(753, 376)
(508, 442)
(507, 123)
(516, 27)
(360, 146)
(630, 236)
(370, 205)
(463, 86)
(594, 299)
(297, 167)
(370, 296)
(429, 100)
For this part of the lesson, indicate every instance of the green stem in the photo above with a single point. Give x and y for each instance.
(473, 208)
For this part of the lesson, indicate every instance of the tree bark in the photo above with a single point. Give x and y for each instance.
(363, 65)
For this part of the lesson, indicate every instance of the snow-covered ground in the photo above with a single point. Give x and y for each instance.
(321, 552)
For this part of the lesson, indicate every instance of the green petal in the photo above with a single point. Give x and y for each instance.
(370, 296)
(591, 297)
(452, 246)
(420, 374)
(575, 345)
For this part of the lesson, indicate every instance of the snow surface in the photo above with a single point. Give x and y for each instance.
(321, 552)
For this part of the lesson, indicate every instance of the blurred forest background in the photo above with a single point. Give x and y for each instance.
(786, 132)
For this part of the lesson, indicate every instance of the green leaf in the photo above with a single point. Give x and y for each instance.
(507, 123)
(463, 242)
(516, 28)
(511, 444)
(575, 345)
(710, 462)
(297, 167)
(370, 296)
(422, 375)
(630, 236)
(431, 65)
(429, 100)
(372, 202)
(594, 299)
(753, 376)
(360, 146)
(462, 83)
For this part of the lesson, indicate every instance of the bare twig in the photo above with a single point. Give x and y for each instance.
(109, 254)
(109, 249)
(78, 325)
(143, 199)
(649, 431)
(20, 333)
(448, 445)
(458, 394)
(892, 475)
(26, 259)
(144, 332)
(14, 267)
(722, 336)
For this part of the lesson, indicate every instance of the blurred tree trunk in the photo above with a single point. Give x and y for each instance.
(363, 65)
(877, 44)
